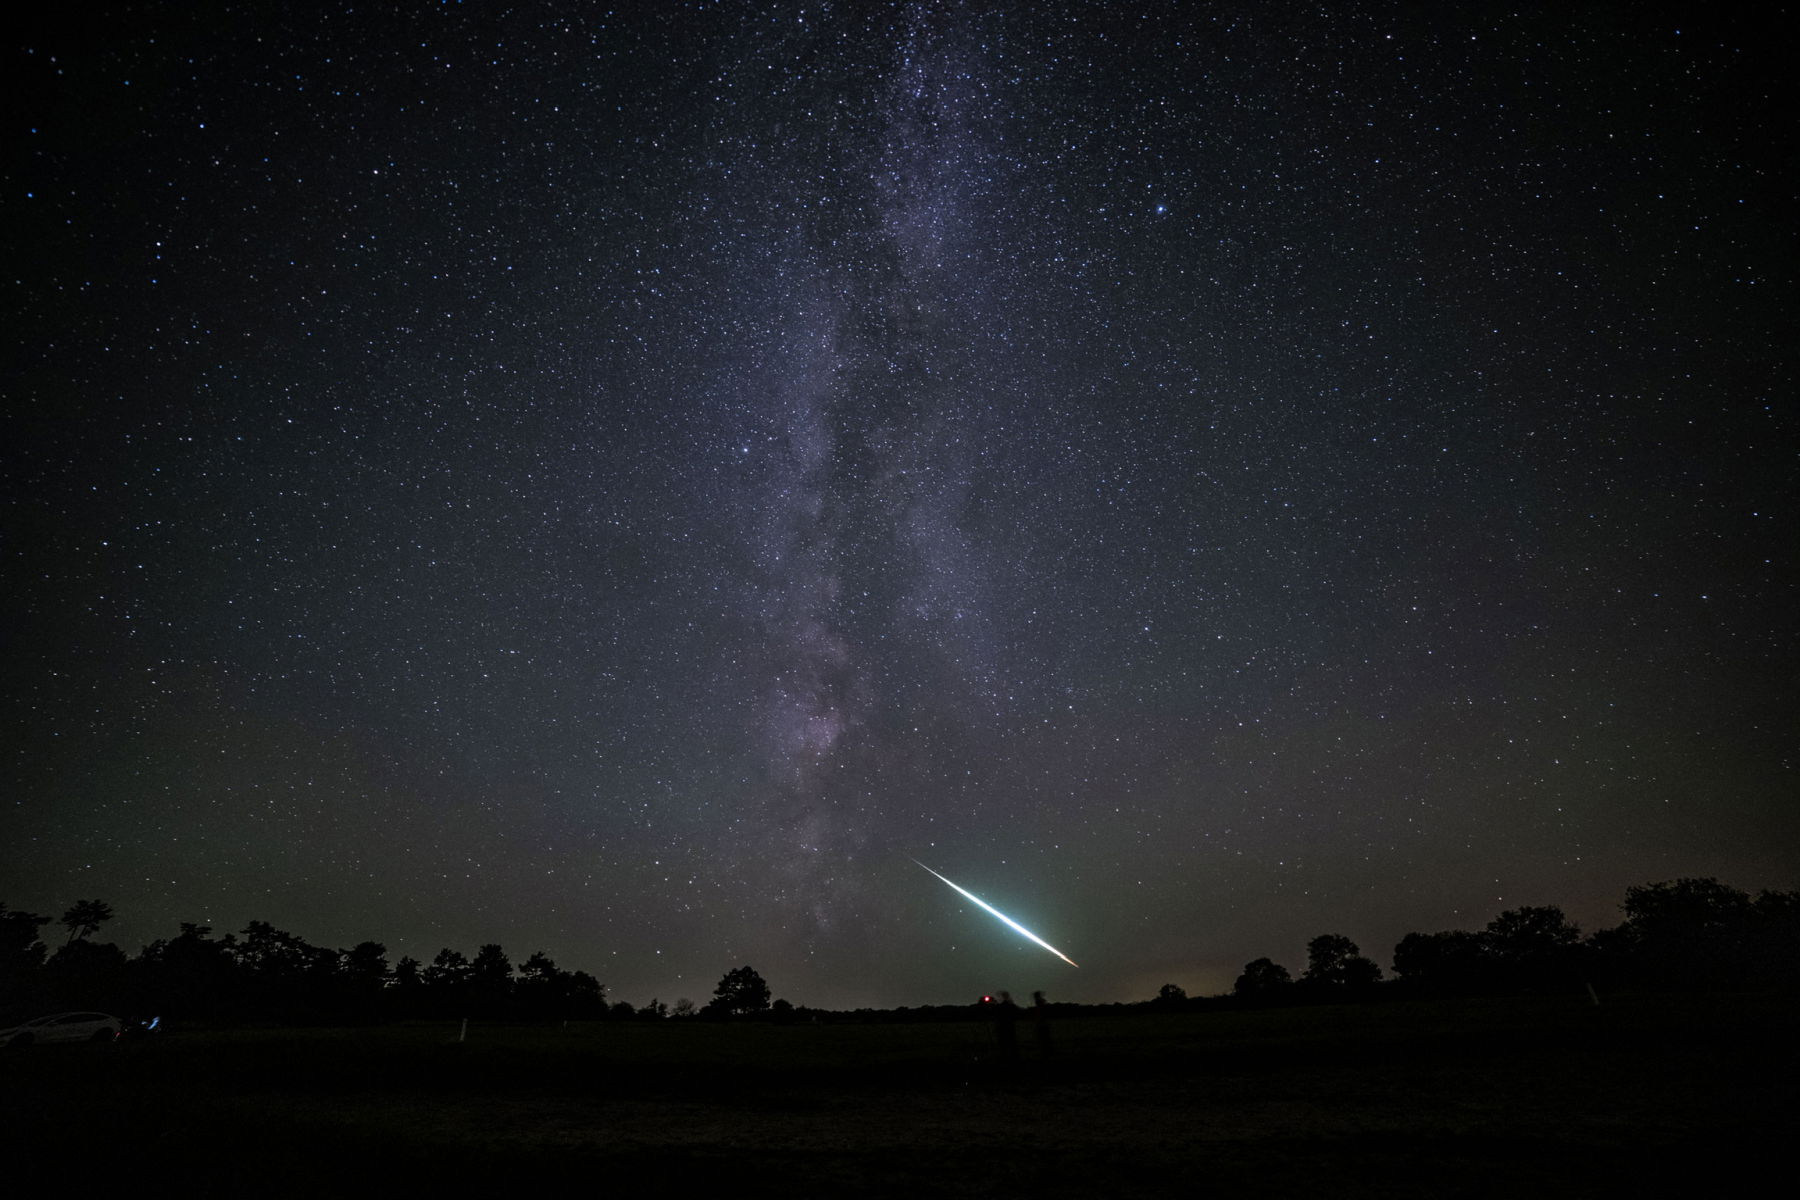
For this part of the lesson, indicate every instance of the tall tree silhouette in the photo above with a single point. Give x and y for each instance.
(447, 983)
(408, 991)
(362, 978)
(490, 981)
(85, 917)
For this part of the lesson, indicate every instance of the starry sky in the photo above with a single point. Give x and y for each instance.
(627, 481)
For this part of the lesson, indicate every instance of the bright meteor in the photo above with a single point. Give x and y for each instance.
(1004, 919)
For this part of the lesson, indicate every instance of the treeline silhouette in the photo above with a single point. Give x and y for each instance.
(1682, 934)
(1688, 934)
(266, 973)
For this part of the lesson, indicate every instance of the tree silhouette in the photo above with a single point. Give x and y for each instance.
(86, 917)
(408, 990)
(21, 953)
(586, 995)
(284, 974)
(539, 988)
(1771, 952)
(84, 974)
(362, 980)
(741, 991)
(1170, 995)
(1333, 961)
(1452, 959)
(1777, 906)
(490, 965)
(1523, 933)
(490, 980)
(277, 957)
(543, 991)
(1262, 979)
(540, 967)
(1691, 931)
(1684, 907)
(1360, 972)
(366, 965)
(193, 973)
(447, 983)
(1326, 956)
(449, 969)
(1531, 945)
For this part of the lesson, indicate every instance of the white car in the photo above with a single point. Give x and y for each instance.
(62, 1027)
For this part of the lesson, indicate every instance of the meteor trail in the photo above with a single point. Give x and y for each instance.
(1004, 919)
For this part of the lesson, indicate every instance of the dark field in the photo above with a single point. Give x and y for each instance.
(1535, 1096)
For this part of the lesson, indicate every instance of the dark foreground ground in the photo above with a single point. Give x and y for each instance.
(1533, 1097)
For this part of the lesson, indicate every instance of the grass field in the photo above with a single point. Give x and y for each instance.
(1493, 1097)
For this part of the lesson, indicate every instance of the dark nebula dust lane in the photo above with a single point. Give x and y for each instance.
(628, 483)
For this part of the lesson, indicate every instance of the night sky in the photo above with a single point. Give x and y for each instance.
(626, 483)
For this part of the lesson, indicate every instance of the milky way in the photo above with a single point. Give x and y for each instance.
(860, 426)
(624, 484)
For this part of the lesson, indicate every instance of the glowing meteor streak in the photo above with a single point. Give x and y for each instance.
(1004, 919)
